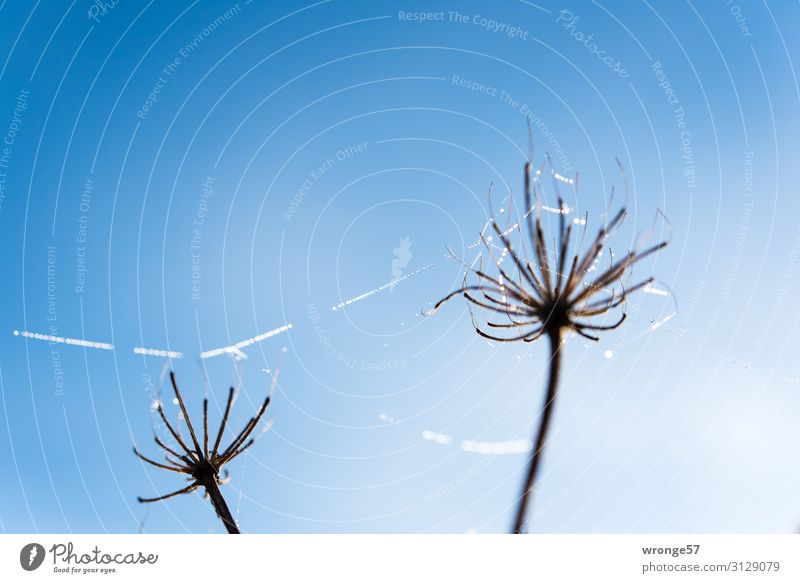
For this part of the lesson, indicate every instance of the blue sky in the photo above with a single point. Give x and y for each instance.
(183, 176)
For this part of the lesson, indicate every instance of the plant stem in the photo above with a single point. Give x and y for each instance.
(220, 506)
(544, 425)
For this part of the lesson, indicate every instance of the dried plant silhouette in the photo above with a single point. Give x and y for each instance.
(548, 298)
(201, 465)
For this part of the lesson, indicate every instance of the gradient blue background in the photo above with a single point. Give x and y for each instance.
(689, 428)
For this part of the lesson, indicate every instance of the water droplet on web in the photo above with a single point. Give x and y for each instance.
(662, 321)
(440, 438)
(609, 354)
(387, 418)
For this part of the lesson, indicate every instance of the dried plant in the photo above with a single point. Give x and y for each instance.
(548, 298)
(201, 465)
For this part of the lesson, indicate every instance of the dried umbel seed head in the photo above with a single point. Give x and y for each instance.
(201, 464)
(542, 296)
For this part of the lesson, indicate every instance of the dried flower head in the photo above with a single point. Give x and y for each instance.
(544, 295)
(201, 465)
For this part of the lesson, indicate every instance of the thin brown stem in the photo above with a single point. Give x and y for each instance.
(544, 426)
(174, 433)
(185, 414)
(220, 506)
(235, 454)
(190, 488)
(158, 465)
(205, 428)
(224, 422)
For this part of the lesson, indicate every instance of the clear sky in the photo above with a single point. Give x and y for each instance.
(182, 176)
